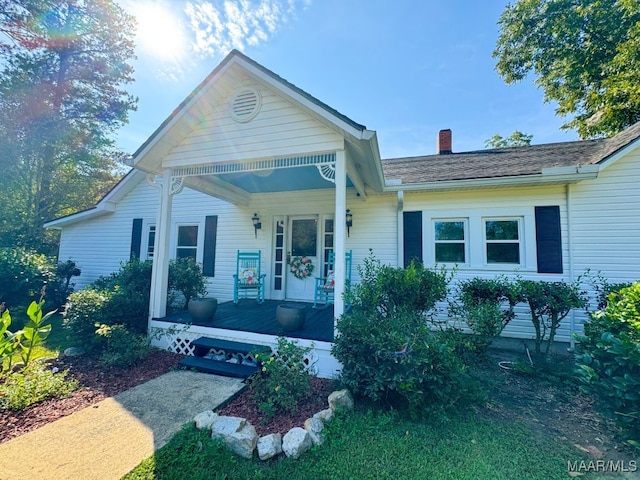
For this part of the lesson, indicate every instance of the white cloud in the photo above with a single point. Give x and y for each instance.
(220, 26)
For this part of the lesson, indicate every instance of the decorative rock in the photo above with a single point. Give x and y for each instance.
(238, 435)
(269, 446)
(73, 351)
(295, 442)
(204, 420)
(315, 426)
(325, 415)
(340, 400)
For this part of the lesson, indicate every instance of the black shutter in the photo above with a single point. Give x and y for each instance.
(412, 237)
(548, 239)
(136, 238)
(209, 253)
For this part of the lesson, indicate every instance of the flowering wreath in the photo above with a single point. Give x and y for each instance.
(301, 267)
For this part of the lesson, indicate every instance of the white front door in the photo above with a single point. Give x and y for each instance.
(302, 243)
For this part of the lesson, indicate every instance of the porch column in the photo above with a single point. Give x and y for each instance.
(340, 233)
(160, 269)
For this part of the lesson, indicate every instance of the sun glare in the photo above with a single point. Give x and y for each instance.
(159, 31)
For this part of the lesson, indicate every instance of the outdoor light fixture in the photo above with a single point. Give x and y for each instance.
(256, 223)
(349, 221)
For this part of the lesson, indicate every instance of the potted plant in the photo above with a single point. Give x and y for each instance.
(186, 278)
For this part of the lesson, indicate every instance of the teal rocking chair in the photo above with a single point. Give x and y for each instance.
(248, 282)
(325, 286)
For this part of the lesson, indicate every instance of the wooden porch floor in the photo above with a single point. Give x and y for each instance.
(249, 316)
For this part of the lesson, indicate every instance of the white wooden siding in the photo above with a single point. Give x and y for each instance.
(279, 129)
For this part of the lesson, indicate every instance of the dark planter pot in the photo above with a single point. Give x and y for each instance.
(291, 317)
(203, 309)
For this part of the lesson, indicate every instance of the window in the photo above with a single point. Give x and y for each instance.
(449, 236)
(187, 245)
(502, 238)
(151, 240)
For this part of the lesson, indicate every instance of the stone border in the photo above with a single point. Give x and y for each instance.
(240, 436)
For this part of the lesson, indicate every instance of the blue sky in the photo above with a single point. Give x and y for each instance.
(405, 69)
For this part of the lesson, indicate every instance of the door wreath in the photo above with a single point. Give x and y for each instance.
(301, 267)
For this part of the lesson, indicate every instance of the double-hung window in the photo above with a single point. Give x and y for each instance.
(450, 241)
(503, 240)
(187, 244)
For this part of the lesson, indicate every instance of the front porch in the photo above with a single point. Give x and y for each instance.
(250, 316)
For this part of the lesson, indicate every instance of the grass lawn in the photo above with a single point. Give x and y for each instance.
(367, 445)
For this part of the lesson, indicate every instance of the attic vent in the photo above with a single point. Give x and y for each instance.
(245, 104)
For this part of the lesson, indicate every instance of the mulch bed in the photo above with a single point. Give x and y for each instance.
(97, 382)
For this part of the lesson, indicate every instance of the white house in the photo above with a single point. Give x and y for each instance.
(247, 143)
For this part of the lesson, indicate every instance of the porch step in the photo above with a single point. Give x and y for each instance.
(230, 357)
(202, 346)
(219, 367)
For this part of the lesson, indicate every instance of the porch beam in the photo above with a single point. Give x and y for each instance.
(212, 185)
(160, 266)
(356, 179)
(340, 234)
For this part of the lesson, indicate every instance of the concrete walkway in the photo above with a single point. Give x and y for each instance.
(109, 439)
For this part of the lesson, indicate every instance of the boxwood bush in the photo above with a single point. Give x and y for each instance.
(389, 344)
(609, 362)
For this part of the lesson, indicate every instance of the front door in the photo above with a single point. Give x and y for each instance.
(302, 246)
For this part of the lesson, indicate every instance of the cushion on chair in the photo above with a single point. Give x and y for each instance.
(248, 276)
(330, 281)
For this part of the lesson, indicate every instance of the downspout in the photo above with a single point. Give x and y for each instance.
(572, 315)
(400, 228)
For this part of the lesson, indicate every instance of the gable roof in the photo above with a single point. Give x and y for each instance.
(553, 162)
(232, 56)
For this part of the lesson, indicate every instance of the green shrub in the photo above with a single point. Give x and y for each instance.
(386, 346)
(387, 291)
(486, 306)
(121, 347)
(549, 303)
(24, 273)
(34, 384)
(609, 362)
(285, 379)
(86, 310)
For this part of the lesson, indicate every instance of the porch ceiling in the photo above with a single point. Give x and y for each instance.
(280, 180)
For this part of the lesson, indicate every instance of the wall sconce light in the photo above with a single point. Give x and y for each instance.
(349, 218)
(257, 225)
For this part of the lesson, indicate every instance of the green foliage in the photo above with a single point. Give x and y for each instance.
(186, 278)
(24, 273)
(549, 303)
(128, 291)
(122, 348)
(285, 379)
(388, 291)
(486, 305)
(585, 56)
(63, 65)
(34, 384)
(86, 310)
(516, 139)
(386, 346)
(36, 331)
(609, 362)
(122, 298)
(8, 344)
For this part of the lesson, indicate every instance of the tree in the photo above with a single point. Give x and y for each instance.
(516, 139)
(63, 64)
(585, 55)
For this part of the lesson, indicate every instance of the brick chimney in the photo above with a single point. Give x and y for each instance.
(444, 141)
